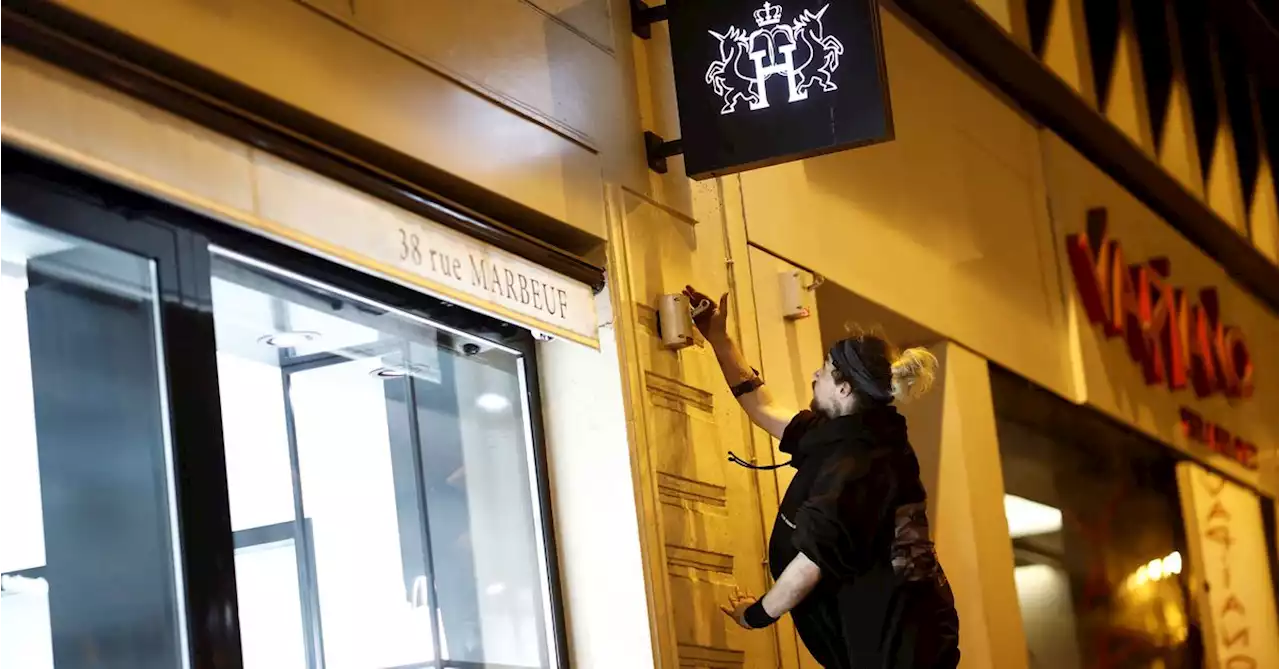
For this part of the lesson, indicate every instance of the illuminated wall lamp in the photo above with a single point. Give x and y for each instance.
(1027, 518)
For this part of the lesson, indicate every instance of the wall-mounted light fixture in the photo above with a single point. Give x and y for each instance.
(795, 294)
(675, 323)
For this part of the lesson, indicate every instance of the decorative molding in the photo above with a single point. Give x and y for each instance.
(673, 490)
(648, 200)
(678, 390)
(698, 558)
(709, 657)
(647, 318)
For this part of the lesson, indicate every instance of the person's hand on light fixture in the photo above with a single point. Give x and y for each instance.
(713, 321)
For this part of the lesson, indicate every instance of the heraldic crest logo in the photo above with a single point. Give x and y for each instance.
(749, 59)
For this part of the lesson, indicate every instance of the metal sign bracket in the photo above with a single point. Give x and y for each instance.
(643, 16)
(657, 150)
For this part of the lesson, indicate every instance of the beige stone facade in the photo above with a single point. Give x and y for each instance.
(951, 236)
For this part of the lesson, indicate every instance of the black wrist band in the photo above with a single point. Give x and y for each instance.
(747, 386)
(756, 617)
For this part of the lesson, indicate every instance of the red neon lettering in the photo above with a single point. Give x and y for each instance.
(1134, 299)
(1121, 296)
(1237, 363)
(1219, 439)
(1246, 454)
(1204, 380)
(1158, 340)
(1088, 254)
(1192, 424)
(1174, 340)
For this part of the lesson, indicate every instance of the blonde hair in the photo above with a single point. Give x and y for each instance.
(913, 374)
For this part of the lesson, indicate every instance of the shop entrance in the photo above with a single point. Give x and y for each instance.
(254, 457)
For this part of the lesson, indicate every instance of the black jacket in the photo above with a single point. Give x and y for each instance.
(856, 507)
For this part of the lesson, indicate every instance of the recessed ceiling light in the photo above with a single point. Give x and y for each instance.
(388, 372)
(492, 402)
(1027, 518)
(288, 339)
(397, 371)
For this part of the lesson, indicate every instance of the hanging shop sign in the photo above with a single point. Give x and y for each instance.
(1180, 338)
(766, 83)
(1232, 590)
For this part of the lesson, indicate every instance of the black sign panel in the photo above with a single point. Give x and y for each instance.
(761, 83)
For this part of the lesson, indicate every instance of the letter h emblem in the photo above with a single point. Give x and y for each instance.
(784, 67)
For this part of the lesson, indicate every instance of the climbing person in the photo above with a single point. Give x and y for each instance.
(850, 552)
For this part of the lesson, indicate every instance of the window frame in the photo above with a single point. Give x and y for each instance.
(180, 242)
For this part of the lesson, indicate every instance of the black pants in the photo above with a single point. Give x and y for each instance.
(924, 633)
(878, 624)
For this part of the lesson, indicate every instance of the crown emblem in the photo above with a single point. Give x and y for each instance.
(768, 15)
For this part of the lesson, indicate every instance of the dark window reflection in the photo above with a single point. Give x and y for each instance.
(87, 523)
(1098, 544)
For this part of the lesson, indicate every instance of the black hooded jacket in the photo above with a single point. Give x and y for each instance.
(856, 508)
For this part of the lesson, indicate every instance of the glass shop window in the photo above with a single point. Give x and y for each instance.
(381, 472)
(89, 572)
(380, 477)
(1098, 548)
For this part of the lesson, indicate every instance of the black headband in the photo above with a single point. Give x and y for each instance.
(845, 358)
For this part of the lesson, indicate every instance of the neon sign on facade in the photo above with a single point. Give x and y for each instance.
(1179, 340)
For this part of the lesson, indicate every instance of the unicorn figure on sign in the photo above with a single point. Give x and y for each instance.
(831, 47)
(733, 46)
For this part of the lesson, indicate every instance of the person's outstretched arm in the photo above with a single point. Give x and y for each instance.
(757, 402)
(796, 582)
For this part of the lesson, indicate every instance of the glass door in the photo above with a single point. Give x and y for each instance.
(381, 477)
(214, 459)
(90, 560)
